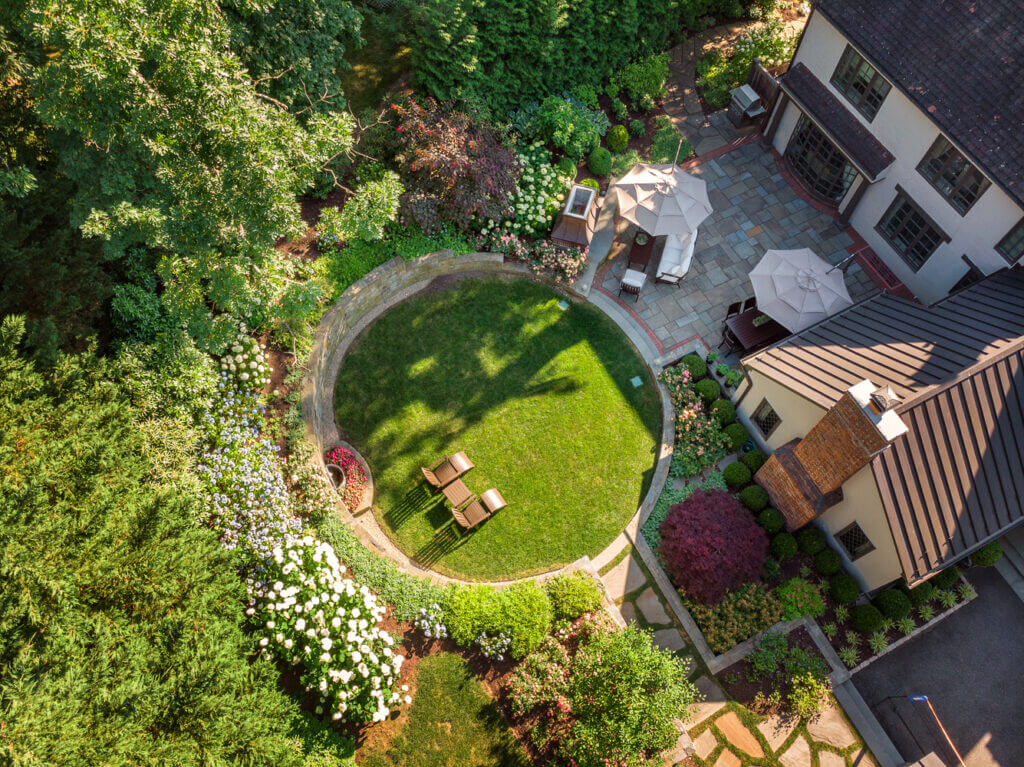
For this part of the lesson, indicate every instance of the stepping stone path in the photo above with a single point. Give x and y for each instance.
(652, 608)
(738, 735)
(776, 730)
(669, 639)
(713, 701)
(728, 759)
(628, 610)
(830, 727)
(829, 759)
(797, 755)
(625, 578)
(705, 744)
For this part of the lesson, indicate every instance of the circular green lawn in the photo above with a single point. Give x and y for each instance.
(539, 398)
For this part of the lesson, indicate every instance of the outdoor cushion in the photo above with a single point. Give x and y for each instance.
(677, 255)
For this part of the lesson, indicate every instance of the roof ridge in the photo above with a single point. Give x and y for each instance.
(930, 392)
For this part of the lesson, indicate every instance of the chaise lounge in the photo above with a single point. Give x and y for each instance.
(447, 470)
(478, 509)
(676, 257)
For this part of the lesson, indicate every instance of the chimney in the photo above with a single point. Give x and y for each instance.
(805, 477)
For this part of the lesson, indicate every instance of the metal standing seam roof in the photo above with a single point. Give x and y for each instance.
(956, 479)
(860, 145)
(959, 61)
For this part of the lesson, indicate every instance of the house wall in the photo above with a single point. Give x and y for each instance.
(861, 501)
(908, 133)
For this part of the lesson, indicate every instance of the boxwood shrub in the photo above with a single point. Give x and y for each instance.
(866, 619)
(737, 434)
(771, 520)
(783, 547)
(724, 411)
(843, 588)
(617, 139)
(827, 562)
(736, 475)
(636, 128)
(567, 167)
(600, 162)
(573, 594)
(754, 498)
(754, 460)
(947, 578)
(988, 554)
(811, 540)
(893, 603)
(921, 593)
(698, 368)
(708, 389)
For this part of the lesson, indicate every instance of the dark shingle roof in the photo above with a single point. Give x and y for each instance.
(956, 479)
(960, 61)
(856, 140)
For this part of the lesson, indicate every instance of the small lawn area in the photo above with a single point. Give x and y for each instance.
(539, 398)
(452, 723)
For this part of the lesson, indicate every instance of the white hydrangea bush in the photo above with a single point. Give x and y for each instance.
(537, 199)
(244, 361)
(310, 614)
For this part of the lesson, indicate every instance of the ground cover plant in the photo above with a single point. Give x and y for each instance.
(495, 368)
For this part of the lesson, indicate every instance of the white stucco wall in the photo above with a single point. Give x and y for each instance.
(908, 134)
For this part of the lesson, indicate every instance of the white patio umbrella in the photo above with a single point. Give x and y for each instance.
(662, 199)
(796, 288)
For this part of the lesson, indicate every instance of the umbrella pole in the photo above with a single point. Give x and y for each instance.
(678, 150)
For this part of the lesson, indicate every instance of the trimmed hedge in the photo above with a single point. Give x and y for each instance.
(736, 475)
(723, 411)
(708, 389)
(947, 578)
(600, 162)
(754, 460)
(783, 547)
(617, 139)
(573, 594)
(867, 619)
(827, 562)
(843, 588)
(893, 603)
(771, 520)
(754, 498)
(988, 554)
(698, 368)
(737, 434)
(811, 540)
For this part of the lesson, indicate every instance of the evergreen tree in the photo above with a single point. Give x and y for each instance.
(120, 639)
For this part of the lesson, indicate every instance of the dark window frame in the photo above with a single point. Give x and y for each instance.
(942, 158)
(902, 199)
(757, 419)
(808, 151)
(862, 549)
(846, 78)
(971, 276)
(1014, 237)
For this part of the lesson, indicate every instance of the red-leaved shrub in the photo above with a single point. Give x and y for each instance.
(710, 545)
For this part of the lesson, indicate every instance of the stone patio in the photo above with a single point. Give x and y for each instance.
(755, 209)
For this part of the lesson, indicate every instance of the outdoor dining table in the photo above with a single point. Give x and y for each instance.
(640, 255)
(747, 337)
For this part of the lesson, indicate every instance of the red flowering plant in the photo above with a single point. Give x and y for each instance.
(454, 167)
(355, 475)
(699, 442)
(711, 545)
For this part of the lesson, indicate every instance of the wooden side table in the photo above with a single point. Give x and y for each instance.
(640, 255)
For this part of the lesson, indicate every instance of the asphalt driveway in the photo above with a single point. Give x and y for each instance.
(971, 667)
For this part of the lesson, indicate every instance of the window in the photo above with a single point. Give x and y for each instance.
(855, 541)
(766, 418)
(818, 162)
(1011, 247)
(910, 232)
(860, 83)
(953, 175)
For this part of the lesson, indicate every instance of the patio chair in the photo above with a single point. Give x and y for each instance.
(734, 308)
(676, 258)
(477, 510)
(447, 470)
(632, 282)
(749, 303)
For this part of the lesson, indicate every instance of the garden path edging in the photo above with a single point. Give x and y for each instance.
(368, 299)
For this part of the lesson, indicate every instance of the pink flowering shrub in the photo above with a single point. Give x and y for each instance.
(699, 442)
(710, 545)
(512, 246)
(566, 264)
(355, 476)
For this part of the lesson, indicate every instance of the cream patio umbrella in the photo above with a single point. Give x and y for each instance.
(796, 288)
(662, 199)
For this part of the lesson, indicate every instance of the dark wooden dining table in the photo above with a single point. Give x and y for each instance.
(640, 255)
(748, 336)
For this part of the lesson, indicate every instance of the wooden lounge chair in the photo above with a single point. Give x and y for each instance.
(448, 469)
(478, 509)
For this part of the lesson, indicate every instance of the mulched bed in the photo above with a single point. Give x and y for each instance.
(739, 687)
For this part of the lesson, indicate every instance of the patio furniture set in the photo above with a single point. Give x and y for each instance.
(467, 508)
